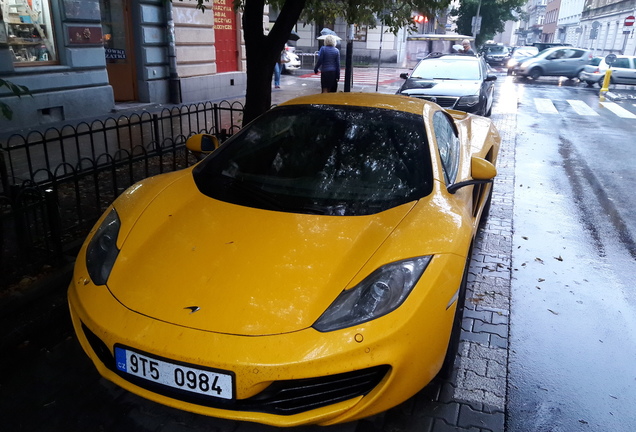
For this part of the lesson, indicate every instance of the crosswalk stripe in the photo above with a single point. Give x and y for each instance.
(582, 108)
(545, 106)
(618, 110)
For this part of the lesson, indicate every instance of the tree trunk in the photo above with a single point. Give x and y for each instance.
(262, 52)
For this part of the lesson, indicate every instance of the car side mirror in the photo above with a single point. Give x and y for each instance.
(482, 172)
(404, 75)
(202, 143)
(491, 77)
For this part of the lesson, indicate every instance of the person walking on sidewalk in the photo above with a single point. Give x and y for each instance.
(278, 67)
(329, 64)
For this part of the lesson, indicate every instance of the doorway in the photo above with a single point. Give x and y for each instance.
(120, 58)
(225, 36)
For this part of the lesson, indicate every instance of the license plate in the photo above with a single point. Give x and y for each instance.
(183, 377)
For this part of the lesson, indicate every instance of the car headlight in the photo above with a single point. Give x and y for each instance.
(102, 251)
(378, 294)
(468, 101)
(512, 63)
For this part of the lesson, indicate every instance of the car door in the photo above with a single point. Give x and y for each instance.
(554, 62)
(487, 92)
(574, 60)
(624, 71)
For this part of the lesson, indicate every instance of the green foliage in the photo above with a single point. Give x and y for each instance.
(494, 15)
(393, 14)
(18, 90)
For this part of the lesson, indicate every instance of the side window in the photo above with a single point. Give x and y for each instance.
(575, 54)
(447, 144)
(621, 63)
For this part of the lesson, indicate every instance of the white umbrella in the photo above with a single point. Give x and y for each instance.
(322, 37)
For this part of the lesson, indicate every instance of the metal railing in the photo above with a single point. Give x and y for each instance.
(55, 184)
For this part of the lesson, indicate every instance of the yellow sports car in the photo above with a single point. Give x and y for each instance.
(308, 271)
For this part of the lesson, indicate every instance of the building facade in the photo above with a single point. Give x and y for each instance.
(81, 58)
(550, 22)
(603, 27)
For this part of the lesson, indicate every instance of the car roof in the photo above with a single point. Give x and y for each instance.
(371, 100)
(454, 55)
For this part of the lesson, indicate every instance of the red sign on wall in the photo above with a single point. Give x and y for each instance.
(225, 32)
(629, 21)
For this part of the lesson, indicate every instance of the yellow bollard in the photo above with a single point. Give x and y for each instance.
(606, 83)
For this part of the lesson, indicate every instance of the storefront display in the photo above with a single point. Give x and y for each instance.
(29, 30)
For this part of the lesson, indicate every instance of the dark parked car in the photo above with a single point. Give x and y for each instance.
(545, 45)
(495, 54)
(454, 81)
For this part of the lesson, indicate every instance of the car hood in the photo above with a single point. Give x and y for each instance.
(246, 271)
(414, 86)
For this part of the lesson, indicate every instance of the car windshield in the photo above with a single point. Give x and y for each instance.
(320, 159)
(447, 68)
(496, 50)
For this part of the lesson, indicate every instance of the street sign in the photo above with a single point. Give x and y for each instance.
(593, 33)
(629, 21)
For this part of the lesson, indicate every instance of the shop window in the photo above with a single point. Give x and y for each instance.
(28, 30)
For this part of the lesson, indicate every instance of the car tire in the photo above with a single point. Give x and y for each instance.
(534, 74)
(590, 83)
(448, 365)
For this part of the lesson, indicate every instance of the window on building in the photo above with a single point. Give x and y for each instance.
(27, 28)
(360, 33)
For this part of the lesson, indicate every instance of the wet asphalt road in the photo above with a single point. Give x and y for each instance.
(573, 314)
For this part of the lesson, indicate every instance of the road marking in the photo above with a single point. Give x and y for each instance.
(545, 106)
(582, 108)
(619, 110)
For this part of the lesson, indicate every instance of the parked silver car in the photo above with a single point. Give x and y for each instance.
(623, 72)
(557, 61)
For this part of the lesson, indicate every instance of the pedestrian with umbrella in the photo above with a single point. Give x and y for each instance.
(329, 65)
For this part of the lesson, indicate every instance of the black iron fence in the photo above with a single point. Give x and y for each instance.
(55, 184)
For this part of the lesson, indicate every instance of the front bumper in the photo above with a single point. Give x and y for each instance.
(366, 369)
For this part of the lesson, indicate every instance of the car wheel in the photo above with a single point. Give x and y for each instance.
(535, 74)
(453, 344)
(590, 83)
(489, 112)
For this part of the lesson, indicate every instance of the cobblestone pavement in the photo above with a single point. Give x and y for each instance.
(73, 397)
